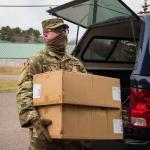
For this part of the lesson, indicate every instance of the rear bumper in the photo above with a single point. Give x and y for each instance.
(134, 144)
(140, 134)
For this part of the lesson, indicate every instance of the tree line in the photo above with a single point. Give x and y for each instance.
(18, 35)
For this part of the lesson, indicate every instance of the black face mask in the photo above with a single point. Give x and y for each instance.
(58, 44)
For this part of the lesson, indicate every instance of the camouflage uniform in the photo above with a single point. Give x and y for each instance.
(44, 61)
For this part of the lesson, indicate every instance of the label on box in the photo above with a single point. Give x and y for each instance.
(117, 126)
(36, 90)
(116, 94)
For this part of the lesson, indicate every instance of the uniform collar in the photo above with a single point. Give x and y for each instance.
(65, 57)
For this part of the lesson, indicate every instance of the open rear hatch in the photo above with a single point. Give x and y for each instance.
(87, 13)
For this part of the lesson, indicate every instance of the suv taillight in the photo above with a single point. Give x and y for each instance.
(140, 108)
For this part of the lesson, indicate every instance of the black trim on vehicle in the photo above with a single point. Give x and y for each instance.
(120, 21)
(136, 142)
(129, 9)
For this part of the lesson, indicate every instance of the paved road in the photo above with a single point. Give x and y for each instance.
(12, 136)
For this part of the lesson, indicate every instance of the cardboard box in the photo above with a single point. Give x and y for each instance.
(59, 87)
(82, 122)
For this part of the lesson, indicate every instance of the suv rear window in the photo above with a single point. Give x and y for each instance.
(110, 50)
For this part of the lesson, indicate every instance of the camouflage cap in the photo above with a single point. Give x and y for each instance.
(53, 23)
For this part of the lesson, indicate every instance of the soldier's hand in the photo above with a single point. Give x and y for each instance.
(46, 122)
(41, 128)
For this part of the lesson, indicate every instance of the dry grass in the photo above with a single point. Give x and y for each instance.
(10, 70)
(8, 86)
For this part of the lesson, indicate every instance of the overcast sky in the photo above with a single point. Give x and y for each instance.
(32, 17)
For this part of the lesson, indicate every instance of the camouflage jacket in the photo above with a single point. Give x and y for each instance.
(43, 61)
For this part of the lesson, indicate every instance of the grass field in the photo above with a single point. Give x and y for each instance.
(10, 70)
(8, 86)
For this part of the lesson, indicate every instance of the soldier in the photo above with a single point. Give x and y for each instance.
(53, 57)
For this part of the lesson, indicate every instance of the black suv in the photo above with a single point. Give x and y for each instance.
(116, 44)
